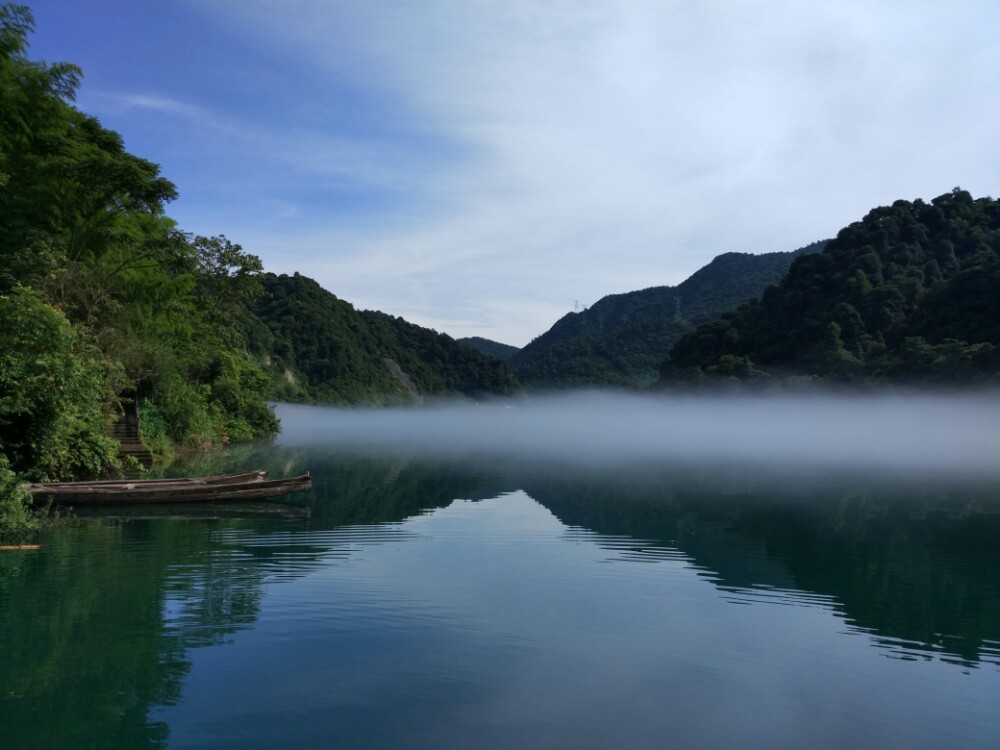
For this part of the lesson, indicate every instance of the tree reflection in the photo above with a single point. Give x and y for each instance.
(95, 630)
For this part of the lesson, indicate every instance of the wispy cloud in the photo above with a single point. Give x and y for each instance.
(599, 147)
(156, 103)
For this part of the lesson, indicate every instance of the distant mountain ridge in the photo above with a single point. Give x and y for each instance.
(317, 347)
(911, 293)
(489, 347)
(621, 339)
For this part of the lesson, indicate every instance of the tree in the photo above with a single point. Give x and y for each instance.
(56, 393)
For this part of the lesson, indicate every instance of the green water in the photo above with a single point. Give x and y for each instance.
(492, 602)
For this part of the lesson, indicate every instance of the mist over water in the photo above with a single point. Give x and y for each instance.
(948, 436)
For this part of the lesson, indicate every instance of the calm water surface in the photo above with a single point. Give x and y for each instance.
(492, 602)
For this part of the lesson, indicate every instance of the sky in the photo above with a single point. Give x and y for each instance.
(481, 167)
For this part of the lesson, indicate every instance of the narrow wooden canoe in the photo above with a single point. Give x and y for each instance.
(246, 476)
(252, 486)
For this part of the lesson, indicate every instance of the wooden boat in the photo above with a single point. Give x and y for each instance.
(252, 485)
(160, 482)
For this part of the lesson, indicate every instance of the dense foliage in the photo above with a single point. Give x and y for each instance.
(317, 347)
(100, 294)
(911, 293)
(55, 391)
(490, 348)
(620, 340)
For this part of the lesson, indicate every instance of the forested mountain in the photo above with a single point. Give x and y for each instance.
(319, 348)
(620, 339)
(490, 348)
(911, 293)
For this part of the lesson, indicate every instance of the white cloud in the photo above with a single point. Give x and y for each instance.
(607, 146)
(157, 103)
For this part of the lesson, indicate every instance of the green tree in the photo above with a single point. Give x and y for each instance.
(57, 393)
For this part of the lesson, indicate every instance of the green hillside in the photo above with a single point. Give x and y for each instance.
(317, 347)
(620, 339)
(490, 348)
(911, 293)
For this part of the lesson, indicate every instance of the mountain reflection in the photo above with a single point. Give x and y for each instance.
(919, 568)
(98, 629)
(914, 564)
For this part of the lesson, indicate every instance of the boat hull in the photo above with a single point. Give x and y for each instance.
(252, 486)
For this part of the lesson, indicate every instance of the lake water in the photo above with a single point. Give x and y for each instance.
(477, 599)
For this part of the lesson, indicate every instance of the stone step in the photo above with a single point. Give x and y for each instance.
(138, 451)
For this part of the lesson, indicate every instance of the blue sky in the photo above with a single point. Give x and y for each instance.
(476, 166)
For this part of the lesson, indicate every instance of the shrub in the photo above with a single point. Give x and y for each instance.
(57, 393)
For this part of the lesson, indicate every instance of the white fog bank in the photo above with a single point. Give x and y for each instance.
(956, 435)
